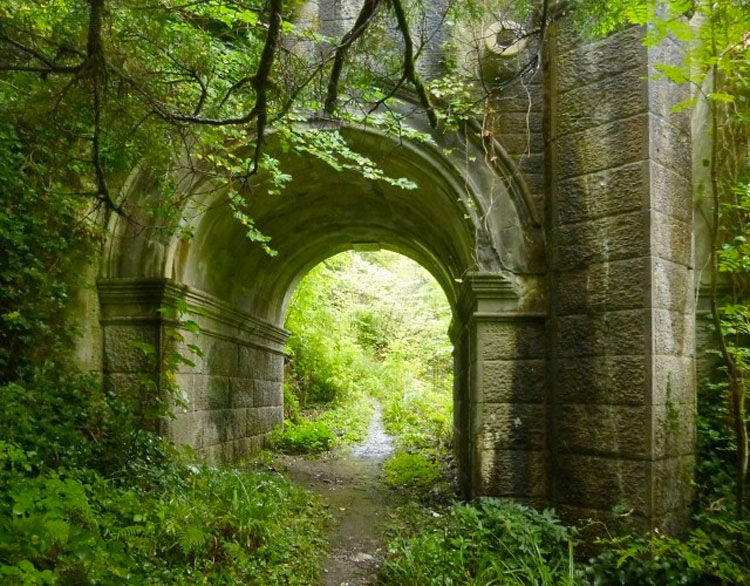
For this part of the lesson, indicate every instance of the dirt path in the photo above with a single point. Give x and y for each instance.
(348, 483)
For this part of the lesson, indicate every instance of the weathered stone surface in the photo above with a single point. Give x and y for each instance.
(600, 287)
(670, 145)
(507, 340)
(517, 123)
(603, 147)
(611, 380)
(268, 393)
(120, 352)
(602, 483)
(262, 420)
(211, 392)
(607, 430)
(673, 333)
(242, 391)
(673, 484)
(592, 62)
(216, 426)
(606, 100)
(509, 381)
(671, 192)
(510, 426)
(671, 239)
(511, 473)
(611, 333)
(602, 194)
(675, 432)
(220, 357)
(672, 286)
(606, 239)
(673, 380)
(519, 144)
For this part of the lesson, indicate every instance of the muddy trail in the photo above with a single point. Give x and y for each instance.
(348, 481)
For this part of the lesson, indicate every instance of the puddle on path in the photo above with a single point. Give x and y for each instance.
(347, 481)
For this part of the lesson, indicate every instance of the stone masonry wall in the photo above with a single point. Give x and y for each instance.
(500, 406)
(618, 220)
(232, 397)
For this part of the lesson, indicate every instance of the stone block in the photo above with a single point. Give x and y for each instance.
(268, 394)
(121, 353)
(520, 144)
(603, 147)
(675, 431)
(238, 423)
(262, 420)
(220, 357)
(260, 364)
(671, 239)
(606, 100)
(674, 333)
(670, 144)
(602, 483)
(186, 430)
(590, 62)
(211, 392)
(673, 484)
(519, 98)
(508, 340)
(602, 287)
(216, 426)
(602, 380)
(509, 473)
(597, 195)
(508, 426)
(242, 392)
(672, 286)
(671, 192)
(612, 333)
(517, 123)
(607, 430)
(608, 239)
(674, 379)
(512, 381)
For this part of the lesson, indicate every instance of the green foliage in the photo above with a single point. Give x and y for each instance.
(172, 525)
(306, 437)
(489, 541)
(411, 470)
(706, 557)
(372, 326)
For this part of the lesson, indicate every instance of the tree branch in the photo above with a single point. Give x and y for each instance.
(410, 70)
(366, 14)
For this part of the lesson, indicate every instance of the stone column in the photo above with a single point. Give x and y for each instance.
(499, 393)
(620, 333)
(233, 395)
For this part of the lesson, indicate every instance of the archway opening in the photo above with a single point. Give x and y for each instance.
(370, 366)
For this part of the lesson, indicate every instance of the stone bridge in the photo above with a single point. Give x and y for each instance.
(563, 242)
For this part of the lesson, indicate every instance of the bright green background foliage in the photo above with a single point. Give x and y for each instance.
(371, 326)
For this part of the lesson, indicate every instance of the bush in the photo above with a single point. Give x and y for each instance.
(404, 470)
(306, 437)
(490, 541)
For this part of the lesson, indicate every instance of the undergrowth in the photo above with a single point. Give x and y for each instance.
(490, 541)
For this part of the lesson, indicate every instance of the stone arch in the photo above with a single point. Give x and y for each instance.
(471, 225)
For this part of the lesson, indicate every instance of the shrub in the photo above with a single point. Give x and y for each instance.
(490, 541)
(411, 470)
(306, 437)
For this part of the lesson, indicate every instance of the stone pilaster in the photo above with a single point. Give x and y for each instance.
(233, 395)
(619, 224)
(500, 395)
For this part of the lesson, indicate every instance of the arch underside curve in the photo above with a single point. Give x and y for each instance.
(469, 223)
